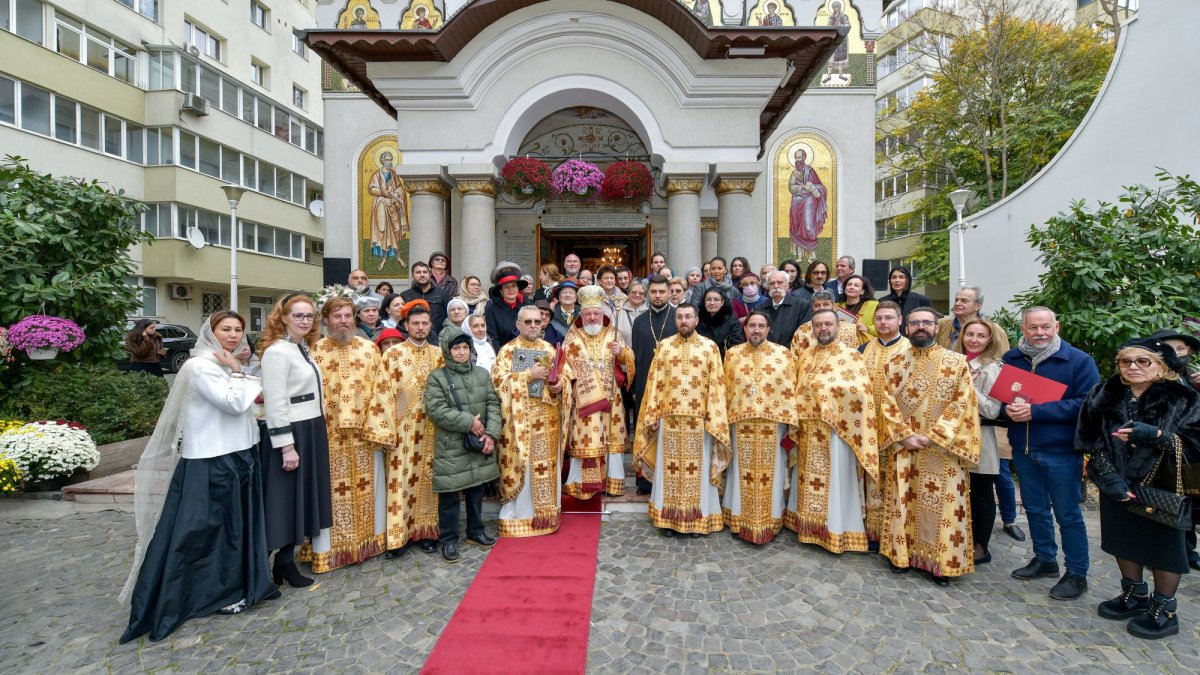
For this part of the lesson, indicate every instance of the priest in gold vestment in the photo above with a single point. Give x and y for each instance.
(349, 365)
(398, 421)
(760, 393)
(877, 352)
(847, 333)
(683, 432)
(596, 357)
(931, 421)
(836, 447)
(533, 436)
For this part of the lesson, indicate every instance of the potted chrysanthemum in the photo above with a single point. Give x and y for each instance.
(525, 178)
(43, 337)
(50, 450)
(578, 177)
(627, 182)
(6, 356)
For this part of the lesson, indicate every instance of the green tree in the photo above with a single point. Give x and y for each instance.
(1005, 96)
(1124, 270)
(64, 251)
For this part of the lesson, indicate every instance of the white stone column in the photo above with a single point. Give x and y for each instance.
(684, 184)
(428, 193)
(708, 239)
(734, 185)
(478, 220)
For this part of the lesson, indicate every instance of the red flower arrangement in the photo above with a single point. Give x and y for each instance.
(627, 181)
(525, 177)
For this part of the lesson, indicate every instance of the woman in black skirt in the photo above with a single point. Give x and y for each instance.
(295, 458)
(203, 547)
(1132, 425)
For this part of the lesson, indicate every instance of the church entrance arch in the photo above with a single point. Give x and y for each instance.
(598, 232)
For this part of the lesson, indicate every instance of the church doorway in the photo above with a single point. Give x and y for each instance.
(596, 248)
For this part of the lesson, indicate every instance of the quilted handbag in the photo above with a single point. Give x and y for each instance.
(1166, 507)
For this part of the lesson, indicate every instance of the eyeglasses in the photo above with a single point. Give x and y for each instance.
(531, 322)
(1140, 362)
(304, 317)
(921, 323)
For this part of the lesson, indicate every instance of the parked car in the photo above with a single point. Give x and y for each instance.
(177, 340)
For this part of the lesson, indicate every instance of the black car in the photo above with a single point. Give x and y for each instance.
(177, 340)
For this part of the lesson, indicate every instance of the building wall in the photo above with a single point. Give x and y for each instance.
(169, 261)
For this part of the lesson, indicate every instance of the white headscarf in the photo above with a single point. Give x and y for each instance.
(157, 463)
(485, 356)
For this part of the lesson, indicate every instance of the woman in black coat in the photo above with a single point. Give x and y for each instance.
(1132, 425)
(718, 323)
(900, 284)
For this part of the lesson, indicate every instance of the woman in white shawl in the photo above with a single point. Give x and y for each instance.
(198, 495)
(485, 355)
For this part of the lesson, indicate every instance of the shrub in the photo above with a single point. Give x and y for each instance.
(49, 449)
(113, 405)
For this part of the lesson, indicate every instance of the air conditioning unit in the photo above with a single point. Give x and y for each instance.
(195, 104)
(193, 50)
(179, 291)
(318, 247)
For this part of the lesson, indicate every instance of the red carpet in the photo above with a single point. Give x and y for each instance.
(528, 609)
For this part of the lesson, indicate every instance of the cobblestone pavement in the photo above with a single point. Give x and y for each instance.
(661, 606)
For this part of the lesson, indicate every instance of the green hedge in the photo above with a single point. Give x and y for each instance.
(113, 405)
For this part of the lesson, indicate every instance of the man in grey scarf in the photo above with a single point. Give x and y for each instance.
(1043, 442)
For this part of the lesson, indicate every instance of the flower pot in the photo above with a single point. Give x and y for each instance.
(528, 189)
(42, 354)
(581, 191)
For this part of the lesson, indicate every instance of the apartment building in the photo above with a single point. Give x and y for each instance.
(169, 100)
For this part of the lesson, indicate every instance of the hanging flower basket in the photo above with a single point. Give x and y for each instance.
(627, 182)
(524, 177)
(578, 177)
(41, 332)
(6, 356)
(49, 449)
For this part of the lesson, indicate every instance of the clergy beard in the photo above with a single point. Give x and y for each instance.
(825, 339)
(921, 340)
(342, 337)
(686, 331)
(593, 329)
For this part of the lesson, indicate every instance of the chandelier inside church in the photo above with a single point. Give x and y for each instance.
(614, 256)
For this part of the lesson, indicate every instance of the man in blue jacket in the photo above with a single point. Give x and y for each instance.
(1043, 447)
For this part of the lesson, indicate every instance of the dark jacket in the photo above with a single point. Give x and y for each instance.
(1053, 425)
(644, 344)
(437, 300)
(786, 318)
(907, 300)
(1115, 466)
(722, 328)
(502, 320)
(454, 467)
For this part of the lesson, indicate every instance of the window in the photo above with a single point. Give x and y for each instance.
(95, 48)
(260, 16)
(147, 8)
(162, 71)
(212, 302)
(157, 220)
(206, 43)
(299, 47)
(900, 98)
(282, 127)
(210, 158)
(66, 127)
(258, 74)
(89, 127)
(8, 100)
(229, 96)
(114, 131)
(260, 309)
(23, 17)
(187, 150)
(298, 97)
(35, 109)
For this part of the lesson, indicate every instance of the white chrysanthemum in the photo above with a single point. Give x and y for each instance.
(49, 449)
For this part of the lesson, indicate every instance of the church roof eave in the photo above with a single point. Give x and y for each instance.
(805, 48)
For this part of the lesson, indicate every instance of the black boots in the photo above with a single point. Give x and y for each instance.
(1133, 600)
(290, 573)
(1159, 622)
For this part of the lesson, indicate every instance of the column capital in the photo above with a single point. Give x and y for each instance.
(428, 186)
(477, 186)
(684, 184)
(708, 225)
(724, 185)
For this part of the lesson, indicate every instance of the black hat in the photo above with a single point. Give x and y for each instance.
(1151, 344)
(1191, 341)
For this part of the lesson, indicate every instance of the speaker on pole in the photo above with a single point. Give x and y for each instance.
(876, 272)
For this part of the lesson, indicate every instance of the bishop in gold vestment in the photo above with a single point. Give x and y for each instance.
(761, 407)
(932, 427)
(594, 351)
(348, 371)
(398, 421)
(533, 436)
(683, 432)
(837, 443)
(876, 353)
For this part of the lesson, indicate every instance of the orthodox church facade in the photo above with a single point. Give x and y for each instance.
(755, 119)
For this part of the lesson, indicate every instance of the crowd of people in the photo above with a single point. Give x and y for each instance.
(753, 401)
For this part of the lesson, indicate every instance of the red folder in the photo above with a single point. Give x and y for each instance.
(556, 366)
(1017, 385)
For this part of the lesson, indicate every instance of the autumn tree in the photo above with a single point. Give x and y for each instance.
(1010, 83)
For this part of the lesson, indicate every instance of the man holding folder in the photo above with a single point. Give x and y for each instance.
(1042, 435)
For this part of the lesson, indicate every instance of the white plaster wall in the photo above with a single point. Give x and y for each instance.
(362, 120)
(1143, 118)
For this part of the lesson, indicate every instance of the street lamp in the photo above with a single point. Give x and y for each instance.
(959, 199)
(234, 194)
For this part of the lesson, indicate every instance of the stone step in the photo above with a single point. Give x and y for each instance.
(116, 488)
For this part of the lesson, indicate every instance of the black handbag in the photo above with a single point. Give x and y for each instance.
(471, 443)
(1164, 507)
